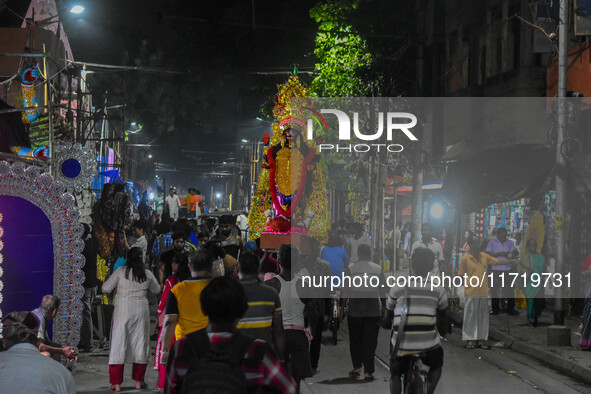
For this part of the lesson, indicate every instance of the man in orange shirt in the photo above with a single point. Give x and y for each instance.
(183, 309)
(187, 202)
(195, 203)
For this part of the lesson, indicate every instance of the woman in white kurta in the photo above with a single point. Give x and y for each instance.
(130, 338)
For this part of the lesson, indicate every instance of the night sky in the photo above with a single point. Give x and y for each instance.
(235, 63)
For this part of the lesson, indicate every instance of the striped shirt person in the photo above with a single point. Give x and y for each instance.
(263, 319)
(419, 333)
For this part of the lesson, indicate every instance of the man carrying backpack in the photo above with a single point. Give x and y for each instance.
(220, 358)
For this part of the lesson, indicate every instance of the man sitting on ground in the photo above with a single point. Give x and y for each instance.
(47, 311)
(224, 302)
(22, 368)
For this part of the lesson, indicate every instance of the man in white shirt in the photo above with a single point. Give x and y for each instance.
(140, 238)
(427, 242)
(356, 238)
(241, 222)
(406, 241)
(518, 242)
(23, 369)
(174, 204)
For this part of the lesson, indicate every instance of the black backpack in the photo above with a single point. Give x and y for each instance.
(216, 371)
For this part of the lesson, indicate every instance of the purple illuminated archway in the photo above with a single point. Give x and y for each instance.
(27, 254)
(41, 247)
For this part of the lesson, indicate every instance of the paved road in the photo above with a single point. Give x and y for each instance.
(465, 371)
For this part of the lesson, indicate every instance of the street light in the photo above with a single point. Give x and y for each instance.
(436, 211)
(77, 9)
(218, 195)
(134, 127)
(57, 18)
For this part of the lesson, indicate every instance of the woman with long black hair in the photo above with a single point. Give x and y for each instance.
(130, 334)
(179, 271)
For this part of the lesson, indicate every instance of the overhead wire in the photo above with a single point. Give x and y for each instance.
(100, 66)
(13, 12)
(9, 80)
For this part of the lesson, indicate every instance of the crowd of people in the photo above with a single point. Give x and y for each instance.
(171, 205)
(231, 315)
(216, 294)
(506, 259)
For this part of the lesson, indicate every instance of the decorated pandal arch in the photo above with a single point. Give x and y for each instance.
(40, 241)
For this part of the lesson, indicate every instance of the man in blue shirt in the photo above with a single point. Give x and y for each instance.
(335, 255)
(502, 248)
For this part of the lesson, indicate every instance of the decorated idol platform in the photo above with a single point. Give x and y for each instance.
(290, 203)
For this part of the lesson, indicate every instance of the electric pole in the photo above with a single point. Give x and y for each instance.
(416, 217)
(558, 334)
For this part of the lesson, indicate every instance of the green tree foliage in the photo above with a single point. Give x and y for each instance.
(340, 50)
(363, 49)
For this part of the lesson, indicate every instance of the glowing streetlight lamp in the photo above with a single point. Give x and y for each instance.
(134, 127)
(57, 18)
(77, 9)
(436, 211)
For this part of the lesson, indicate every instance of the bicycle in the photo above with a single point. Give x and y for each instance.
(414, 379)
(334, 319)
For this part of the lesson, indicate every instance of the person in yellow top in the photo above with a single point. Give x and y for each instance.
(473, 267)
(184, 314)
